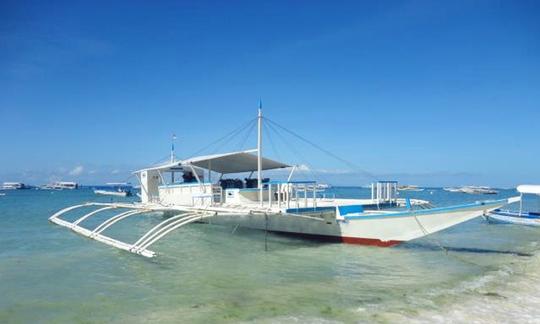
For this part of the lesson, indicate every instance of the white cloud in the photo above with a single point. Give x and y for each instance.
(78, 170)
(115, 171)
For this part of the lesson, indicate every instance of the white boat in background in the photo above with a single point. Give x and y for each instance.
(115, 189)
(478, 190)
(521, 217)
(14, 186)
(119, 193)
(473, 190)
(323, 186)
(61, 185)
(410, 188)
(452, 189)
(320, 187)
(184, 190)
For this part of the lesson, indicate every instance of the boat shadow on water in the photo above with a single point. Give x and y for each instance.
(432, 247)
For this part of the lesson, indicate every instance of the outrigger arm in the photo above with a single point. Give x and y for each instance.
(142, 244)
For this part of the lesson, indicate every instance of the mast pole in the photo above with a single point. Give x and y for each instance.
(172, 156)
(259, 153)
(172, 147)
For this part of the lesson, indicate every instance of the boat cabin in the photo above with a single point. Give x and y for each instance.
(190, 183)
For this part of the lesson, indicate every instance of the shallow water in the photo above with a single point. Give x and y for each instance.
(208, 273)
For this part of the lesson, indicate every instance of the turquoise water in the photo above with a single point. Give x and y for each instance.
(208, 273)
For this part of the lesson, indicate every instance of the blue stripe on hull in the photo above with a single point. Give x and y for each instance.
(438, 210)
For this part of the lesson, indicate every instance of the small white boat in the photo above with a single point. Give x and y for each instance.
(2, 194)
(60, 185)
(473, 190)
(14, 186)
(111, 193)
(410, 188)
(116, 189)
(449, 189)
(478, 190)
(521, 217)
(319, 187)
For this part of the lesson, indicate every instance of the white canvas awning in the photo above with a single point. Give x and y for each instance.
(235, 162)
(529, 189)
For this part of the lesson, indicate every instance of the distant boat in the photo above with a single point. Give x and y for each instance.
(14, 186)
(320, 187)
(410, 188)
(521, 217)
(473, 190)
(477, 190)
(2, 194)
(116, 189)
(452, 189)
(119, 193)
(61, 185)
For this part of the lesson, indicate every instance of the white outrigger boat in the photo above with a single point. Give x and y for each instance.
(520, 217)
(287, 206)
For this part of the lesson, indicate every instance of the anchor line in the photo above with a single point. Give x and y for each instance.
(426, 233)
(266, 232)
(443, 248)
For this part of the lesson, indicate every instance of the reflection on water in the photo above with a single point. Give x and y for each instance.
(208, 273)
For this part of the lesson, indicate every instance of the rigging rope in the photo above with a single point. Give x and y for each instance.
(348, 163)
(231, 135)
(244, 140)
(302, 159)
(267, 128)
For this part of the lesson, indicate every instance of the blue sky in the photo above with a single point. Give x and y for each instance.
(427, 92)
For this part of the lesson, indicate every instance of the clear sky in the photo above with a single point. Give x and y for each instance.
(427, 92)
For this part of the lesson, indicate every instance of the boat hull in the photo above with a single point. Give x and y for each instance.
(378, 230)
(503, 217)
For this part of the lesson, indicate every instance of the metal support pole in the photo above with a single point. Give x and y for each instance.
(259, 154)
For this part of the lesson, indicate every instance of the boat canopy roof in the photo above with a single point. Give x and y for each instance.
(529, 189)
(234, 162)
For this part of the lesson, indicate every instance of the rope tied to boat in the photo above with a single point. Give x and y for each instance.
(442, 247)
(426, 233)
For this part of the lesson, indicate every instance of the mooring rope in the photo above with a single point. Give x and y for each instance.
(438, 244)
(426, 233)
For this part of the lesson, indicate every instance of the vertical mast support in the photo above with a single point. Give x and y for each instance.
(259, 154)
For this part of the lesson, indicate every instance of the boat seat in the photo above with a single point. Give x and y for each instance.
(350, 210)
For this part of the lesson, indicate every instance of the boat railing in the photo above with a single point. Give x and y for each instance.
(295, 193)
(327, 196)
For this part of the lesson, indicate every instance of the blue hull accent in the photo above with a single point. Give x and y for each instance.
(515, 218)
(439, 210)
